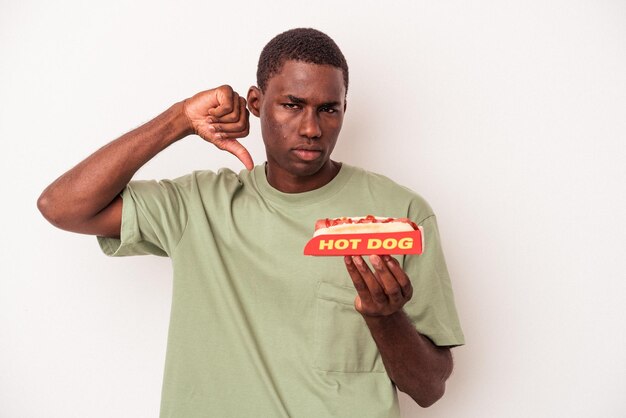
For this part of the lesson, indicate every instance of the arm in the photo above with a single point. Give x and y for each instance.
(86, 198)
(415, 365)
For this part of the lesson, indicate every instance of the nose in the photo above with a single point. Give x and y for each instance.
(310, 125)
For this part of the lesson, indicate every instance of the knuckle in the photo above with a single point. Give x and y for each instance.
(360, 286)
(379, 297)
(225, 88)
(228, 118)
(242, 125)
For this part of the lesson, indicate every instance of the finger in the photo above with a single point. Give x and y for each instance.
(386, 279)
(359, 284)
(377, 292)
(403, 279)
(229, 135)
(244, 114)
(234, 147)
(240, 125)
(229, 128)
(235, 114)
(224, 95)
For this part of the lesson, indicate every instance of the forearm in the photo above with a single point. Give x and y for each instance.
(413, 362)
(91, 185)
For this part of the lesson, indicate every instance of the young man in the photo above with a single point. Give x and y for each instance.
(257, 329)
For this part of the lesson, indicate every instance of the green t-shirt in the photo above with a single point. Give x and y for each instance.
(258, 329)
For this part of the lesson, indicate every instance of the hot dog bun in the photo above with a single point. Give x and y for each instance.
(362, 225)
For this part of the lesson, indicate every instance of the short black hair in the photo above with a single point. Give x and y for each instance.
(300, 44)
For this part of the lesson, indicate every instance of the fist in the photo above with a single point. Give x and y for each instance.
(219, 116)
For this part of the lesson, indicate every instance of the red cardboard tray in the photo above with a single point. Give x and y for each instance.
(409, 242)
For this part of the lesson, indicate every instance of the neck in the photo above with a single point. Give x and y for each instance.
(289, 183)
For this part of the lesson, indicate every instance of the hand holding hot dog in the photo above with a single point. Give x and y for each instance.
(381, 292)
(219, 116)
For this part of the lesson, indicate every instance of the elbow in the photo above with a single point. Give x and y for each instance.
(426, 396)
(43, 205)
(46, 208)
(426, 390)
(434, 394)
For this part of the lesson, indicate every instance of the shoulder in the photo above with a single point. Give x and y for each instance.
(202, 179)
(383, 187)
(197, 182)
(224, 176)
(379, 180)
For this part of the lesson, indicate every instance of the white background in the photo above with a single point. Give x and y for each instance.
(509, 117)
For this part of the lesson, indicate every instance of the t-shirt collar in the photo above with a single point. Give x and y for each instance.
(305, 198)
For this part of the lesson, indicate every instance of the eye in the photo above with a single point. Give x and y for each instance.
(328, 109)
(289, 105)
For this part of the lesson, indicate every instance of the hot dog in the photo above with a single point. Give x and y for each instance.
(362, 235)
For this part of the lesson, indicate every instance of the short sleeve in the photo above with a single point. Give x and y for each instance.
(432, 309)
(154, 217)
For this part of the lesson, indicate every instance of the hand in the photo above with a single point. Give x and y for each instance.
(219, 116)
(382, 292)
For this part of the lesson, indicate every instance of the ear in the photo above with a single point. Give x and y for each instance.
(255, 98)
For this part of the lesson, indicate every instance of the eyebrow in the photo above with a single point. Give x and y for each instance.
(299, 100)
(295, 99)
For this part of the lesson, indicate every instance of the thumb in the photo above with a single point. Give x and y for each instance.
(358, 304)
(234, 147)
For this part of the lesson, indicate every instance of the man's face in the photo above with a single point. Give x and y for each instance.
(301, 114)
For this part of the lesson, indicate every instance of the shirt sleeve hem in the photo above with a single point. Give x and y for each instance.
(129, 233)
(447, 339)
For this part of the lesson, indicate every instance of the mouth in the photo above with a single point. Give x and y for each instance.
(307, 153)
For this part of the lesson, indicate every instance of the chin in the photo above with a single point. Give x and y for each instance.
(307, 169)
